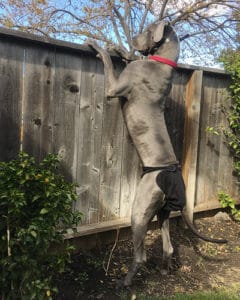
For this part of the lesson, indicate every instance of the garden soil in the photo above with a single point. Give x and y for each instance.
(196, 265)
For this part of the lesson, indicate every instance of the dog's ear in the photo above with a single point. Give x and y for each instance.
(158, 32)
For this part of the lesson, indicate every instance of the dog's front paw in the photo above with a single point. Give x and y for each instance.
(92, 44)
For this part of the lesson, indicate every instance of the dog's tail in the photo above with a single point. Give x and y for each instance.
(197, 233)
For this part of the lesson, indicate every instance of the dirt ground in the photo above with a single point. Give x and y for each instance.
(197, 265)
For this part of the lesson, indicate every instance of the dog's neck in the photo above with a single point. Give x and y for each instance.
(171, 54)
(163, 60)
(170, 49)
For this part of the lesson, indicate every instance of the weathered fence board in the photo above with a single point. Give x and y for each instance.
(89, 135)
(111, 154)
(56, 91)
(131, 171)
(214, 161)
(11, 81)
(96, 142)
(38, 100)
(191, 134)
(66, 94)
(175, 110)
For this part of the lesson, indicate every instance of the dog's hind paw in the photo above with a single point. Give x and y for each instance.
(122, 284)
(119, 284)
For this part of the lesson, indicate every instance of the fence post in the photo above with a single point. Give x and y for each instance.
(191, 137)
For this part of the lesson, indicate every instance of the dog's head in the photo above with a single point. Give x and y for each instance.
(155, 37)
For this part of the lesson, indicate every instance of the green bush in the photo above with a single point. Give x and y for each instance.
(231, 61)
(228, 202)
(36, 209)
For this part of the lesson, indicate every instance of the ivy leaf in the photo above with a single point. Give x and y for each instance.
(33, 233)
(36, 197)
(43, 211)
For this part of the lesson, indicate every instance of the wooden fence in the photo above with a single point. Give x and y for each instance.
(52, 96)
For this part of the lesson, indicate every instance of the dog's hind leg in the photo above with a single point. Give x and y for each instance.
(163, 219)
(139, 229)
(147, 202)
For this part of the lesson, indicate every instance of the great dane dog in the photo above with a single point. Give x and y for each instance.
(145, 84)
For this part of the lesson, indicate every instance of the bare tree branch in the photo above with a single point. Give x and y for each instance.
(68, 13)
(189, 35)
(146, 11)
(115, 27)
(123, 24)
(78, 19)
(31, 29)
(162, 11)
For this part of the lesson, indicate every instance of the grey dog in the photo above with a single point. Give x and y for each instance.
(145, 84)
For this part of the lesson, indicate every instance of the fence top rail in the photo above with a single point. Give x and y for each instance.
(45, 40)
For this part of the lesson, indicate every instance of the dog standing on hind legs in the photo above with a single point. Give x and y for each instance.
(145, 84)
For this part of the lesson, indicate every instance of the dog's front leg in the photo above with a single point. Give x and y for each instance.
(114, 86)
(110, 77)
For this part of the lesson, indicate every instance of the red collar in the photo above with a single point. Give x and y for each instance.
(164, 60)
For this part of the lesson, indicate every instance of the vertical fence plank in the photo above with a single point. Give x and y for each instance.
(66, 109)
(215, 162)
(11, 78)
(130, 175)
(38, 99)
(191, 134)
(175, 111)
(225, 180)
(203, 149)
(111, 157)
(212, 143)
(96, 142)
(84, 136)
(90, 134)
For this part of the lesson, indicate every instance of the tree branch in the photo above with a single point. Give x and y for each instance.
(115, 28)
(162, 11)
(218, 26)
(184, 14)
(89, 24)
(74, 16)
(30, 28)
(146, 11)
(123, 24)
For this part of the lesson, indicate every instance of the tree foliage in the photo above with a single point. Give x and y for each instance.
(211, 23)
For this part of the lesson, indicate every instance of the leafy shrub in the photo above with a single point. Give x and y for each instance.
(231, 60)
(228, 202)
(36, 209)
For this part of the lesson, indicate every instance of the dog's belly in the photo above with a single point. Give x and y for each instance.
(147, 128)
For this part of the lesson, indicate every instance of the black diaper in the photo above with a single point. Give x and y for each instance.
(171, 182)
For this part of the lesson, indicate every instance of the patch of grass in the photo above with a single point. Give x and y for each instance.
(232, 293)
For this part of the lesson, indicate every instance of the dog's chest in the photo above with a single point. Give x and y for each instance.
(141, 118)
(146, 80)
